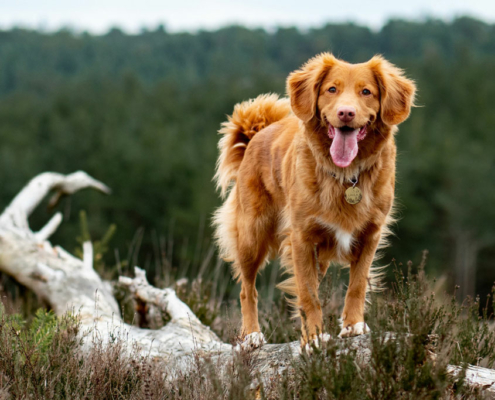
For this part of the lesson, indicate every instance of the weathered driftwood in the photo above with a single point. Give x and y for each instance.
(70, 284)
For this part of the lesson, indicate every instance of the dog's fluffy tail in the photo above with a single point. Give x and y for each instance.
(248, 118)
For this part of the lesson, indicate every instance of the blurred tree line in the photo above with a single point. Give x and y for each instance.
(140, 112)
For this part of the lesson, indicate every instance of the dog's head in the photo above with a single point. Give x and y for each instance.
(349, 99)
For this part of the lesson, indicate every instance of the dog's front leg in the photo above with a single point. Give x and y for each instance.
(307, 283)
(353, 315)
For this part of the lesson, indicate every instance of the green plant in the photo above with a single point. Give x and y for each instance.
(100, 247)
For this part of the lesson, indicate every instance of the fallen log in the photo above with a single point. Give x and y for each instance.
(68, 283)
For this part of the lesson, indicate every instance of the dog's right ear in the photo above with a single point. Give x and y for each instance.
(303, 85)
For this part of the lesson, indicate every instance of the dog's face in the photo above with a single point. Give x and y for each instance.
(349, 98)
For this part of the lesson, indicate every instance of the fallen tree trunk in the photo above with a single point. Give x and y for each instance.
(71, 284)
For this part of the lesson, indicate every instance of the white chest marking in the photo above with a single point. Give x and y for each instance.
(343, 239)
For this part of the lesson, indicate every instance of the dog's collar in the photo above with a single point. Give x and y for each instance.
(353, 194)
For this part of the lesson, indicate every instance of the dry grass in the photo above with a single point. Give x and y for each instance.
(41, 358)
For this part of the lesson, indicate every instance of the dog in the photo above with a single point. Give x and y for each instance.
(311, 178)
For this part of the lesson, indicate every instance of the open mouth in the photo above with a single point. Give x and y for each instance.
(344, 146)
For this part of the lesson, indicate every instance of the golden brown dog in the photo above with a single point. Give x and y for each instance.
(292, 163)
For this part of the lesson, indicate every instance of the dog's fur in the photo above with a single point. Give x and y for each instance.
(287, 192)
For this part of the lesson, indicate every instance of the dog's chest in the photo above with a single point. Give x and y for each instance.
(342, 239)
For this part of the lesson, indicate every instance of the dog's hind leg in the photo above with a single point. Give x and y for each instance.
(251, 259)
(253, 247)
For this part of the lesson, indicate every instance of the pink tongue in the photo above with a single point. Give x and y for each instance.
(344, 147)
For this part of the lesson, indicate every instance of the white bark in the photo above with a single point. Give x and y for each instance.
(88, 255)
(49, 229)
(70, 284)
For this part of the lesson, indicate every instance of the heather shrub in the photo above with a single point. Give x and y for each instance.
(417, 331)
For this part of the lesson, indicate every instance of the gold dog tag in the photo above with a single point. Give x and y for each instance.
(353, 195)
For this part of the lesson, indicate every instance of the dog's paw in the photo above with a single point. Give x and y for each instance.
(251, 342)
(357, 329)
(316, 342)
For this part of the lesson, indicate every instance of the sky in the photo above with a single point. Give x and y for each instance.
(98, 16)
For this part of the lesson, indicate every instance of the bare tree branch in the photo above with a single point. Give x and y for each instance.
(49, 229)
(88, 255)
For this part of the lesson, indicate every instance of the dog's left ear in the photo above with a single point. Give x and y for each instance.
(396, 91)
(303, 85)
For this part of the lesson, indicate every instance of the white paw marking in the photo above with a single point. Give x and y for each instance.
(252, 341)
(360, 328)
(317, 342)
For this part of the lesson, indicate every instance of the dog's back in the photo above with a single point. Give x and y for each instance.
(248, 118)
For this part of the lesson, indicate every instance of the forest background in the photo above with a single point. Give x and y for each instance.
(140, 112)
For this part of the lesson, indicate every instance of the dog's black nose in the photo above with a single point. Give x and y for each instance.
(346, 114)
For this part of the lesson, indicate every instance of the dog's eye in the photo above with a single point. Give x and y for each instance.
(333, 89)
(366, 92)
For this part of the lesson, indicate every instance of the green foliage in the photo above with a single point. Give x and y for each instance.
(277, 323)
(43, 360)
(32, 353)
(140, 112)
(100, 247)
(475, 338)
(199, 297)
